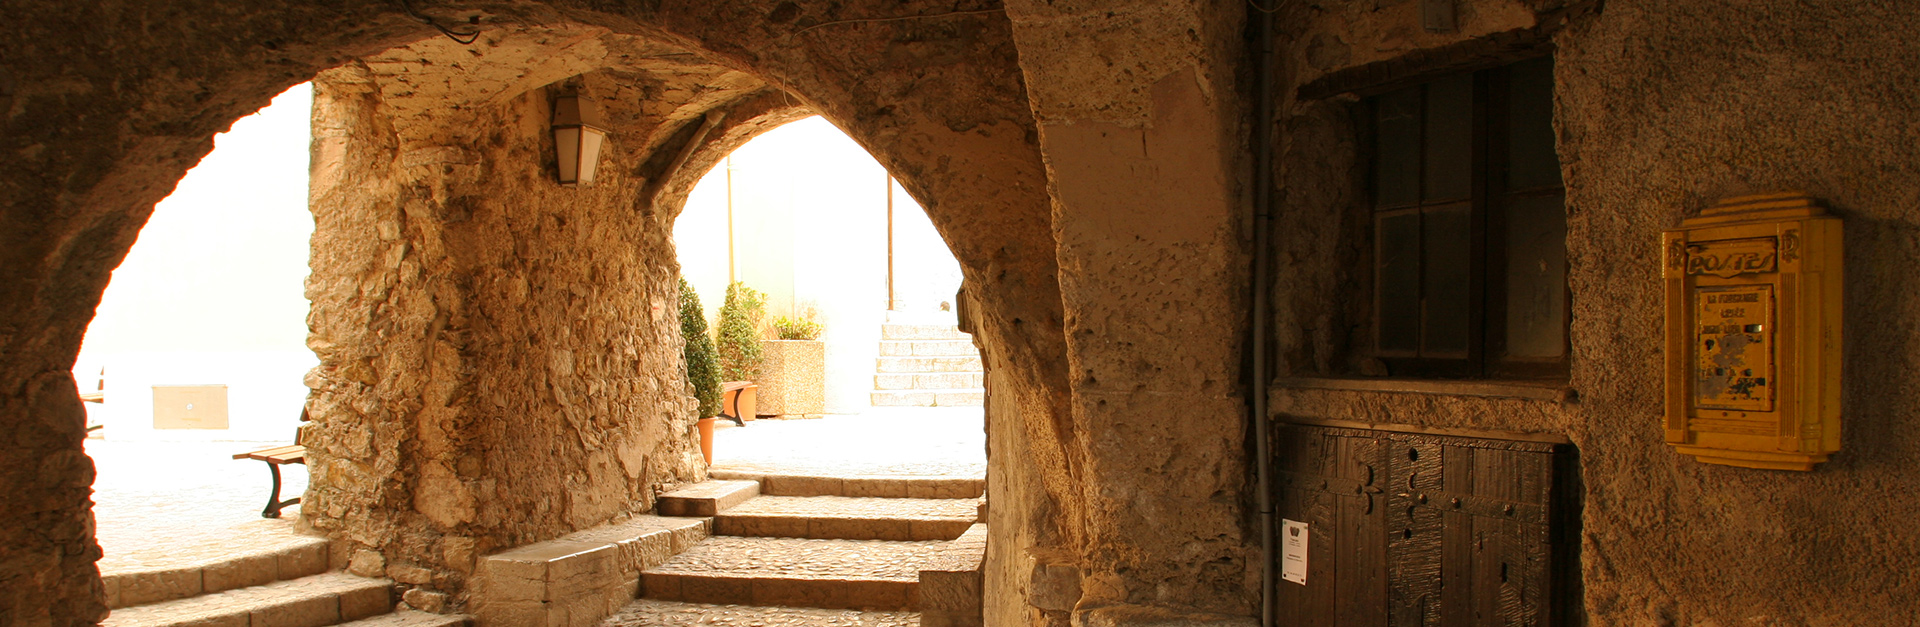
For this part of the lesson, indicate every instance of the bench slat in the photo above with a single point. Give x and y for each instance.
(290, 454)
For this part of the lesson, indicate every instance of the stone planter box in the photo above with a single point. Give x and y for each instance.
(793, 379)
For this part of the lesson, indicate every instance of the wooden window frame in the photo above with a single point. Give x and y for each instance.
(1489, 197)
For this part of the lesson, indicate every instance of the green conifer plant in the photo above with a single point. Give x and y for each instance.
(703, 364)
(739, 332)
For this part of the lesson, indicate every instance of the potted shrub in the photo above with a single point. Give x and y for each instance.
(793, 375)
(740, 352)
(702, 363)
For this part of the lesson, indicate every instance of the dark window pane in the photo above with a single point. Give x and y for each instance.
(1449, 148)
(1396, 176)
(1536, 277)
(1447, 273)
(1531, 160)
(1397, 281)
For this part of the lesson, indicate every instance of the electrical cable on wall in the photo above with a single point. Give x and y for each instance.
(450, 33)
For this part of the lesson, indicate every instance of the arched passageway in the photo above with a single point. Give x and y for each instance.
(467, 308)
(444, 250)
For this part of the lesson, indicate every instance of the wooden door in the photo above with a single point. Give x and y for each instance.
(1420, 530)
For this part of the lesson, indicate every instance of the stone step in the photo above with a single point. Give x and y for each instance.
(410, 618)
(878, 486)
(797, 572)
(312, 601)
(928, 381)
(588, 573)
(196, 570)
(920, 332)
(953, 581)
(928, 364)
(928, 398)
(707, 498)
(849, 518)
(657, 613)
(927, 348)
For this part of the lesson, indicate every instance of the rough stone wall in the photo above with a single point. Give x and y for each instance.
(499, 362)
(1662, 108)
(1140, 117)
(106, 106)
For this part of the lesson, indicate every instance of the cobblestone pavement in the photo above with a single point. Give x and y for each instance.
(902, 441)
(802, 557)
(650, 613)
(168, 504)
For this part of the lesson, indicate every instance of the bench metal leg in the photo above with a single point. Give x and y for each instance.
(274, 504)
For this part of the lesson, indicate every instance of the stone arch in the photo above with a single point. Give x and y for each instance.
(93, 143)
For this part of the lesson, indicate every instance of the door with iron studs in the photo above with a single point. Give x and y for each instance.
(1422, 530)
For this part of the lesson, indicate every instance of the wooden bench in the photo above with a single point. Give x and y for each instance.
(741, 398)
(276, 457)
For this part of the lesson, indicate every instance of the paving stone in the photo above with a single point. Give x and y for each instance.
(848, 518)
(311, 601)
(792, 571)
(656, 613)
(843, 559)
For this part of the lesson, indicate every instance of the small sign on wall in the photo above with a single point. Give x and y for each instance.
(190, 407)
(1293, 551)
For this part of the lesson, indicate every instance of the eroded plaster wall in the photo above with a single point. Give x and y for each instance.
(1661, 108)
(1140, 116)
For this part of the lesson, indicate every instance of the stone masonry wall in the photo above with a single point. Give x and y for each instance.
(499, 358)
(1662, 108)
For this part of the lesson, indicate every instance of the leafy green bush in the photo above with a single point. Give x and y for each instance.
(797, 328)
(703, 365)
(740, 333)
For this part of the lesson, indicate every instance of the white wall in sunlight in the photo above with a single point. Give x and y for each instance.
(809, 220)
(212, 293)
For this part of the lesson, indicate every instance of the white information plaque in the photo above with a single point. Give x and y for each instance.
(1293, 552)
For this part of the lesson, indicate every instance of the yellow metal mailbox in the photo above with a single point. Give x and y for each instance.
(1753, 333)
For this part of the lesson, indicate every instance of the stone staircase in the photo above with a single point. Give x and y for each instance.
(861, 551)
(288, 585)
(926, 365)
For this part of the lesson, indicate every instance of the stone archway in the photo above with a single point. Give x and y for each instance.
(99, 141)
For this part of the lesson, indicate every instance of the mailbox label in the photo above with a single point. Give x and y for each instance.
(1734, 342)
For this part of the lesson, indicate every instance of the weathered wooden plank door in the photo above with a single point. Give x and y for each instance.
(1419, 530)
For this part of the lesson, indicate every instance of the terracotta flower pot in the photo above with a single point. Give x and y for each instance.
(706, 438)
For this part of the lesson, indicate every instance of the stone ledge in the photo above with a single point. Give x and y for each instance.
(582, 577)
(707, 498)
(952, 584)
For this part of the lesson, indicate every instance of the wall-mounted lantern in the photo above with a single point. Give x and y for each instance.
(578, 133)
